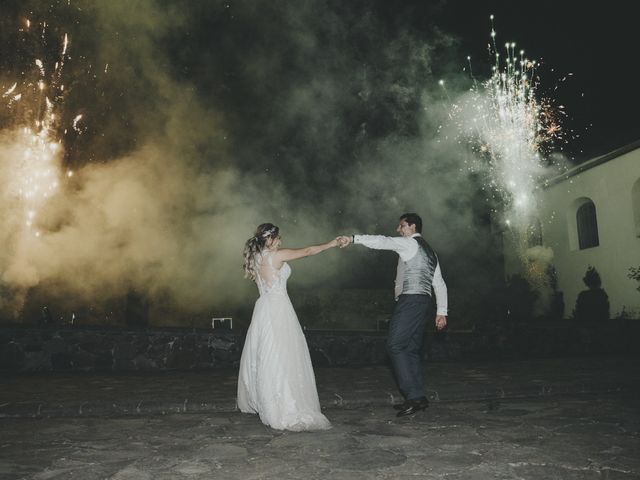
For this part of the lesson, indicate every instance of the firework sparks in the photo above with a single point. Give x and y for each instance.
(36, 173)
(75, 123)
(33, 165)
(509, 129)
(11, 90)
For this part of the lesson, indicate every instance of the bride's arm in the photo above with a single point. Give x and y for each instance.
(288, 254)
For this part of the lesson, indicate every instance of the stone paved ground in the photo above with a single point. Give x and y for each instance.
(571, 437)
(545, 419)
(72, 394)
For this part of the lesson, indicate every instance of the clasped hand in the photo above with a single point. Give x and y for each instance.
(343, 240)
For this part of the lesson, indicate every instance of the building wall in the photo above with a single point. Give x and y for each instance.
(614, 187)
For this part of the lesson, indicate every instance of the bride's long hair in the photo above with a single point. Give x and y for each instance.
(255, 245)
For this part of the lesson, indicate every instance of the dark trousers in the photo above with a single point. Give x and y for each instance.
(404, 345)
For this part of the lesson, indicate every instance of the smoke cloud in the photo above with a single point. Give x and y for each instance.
(202, 120)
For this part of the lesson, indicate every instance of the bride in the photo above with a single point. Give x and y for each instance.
(276, 378)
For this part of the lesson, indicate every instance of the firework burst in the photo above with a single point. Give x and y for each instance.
(32, 156)
(510, 128)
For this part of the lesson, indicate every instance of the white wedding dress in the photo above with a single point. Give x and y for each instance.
(276, 378)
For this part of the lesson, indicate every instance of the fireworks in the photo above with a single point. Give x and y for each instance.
(32, 157)
(509, 129)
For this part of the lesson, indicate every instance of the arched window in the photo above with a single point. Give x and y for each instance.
(635, 199)
(587, 226)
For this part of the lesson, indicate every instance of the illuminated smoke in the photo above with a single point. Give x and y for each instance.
(185, 149)
(30, 172)
(510, 129)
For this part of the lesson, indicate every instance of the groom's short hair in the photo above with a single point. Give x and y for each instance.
(413, 219)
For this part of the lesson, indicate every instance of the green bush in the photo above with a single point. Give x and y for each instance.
(634, 274)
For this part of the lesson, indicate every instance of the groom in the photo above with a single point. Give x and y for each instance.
(418, 271)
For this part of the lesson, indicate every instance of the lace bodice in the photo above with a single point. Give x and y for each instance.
(269, 278)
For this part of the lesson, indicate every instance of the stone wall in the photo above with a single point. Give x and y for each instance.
(29, 349)
(25, 349)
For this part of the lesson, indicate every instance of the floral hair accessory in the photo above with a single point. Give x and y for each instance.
(269, 232)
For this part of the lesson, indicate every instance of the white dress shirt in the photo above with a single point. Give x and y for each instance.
(406, 248)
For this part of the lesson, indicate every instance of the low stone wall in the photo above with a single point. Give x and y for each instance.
(88, 349)
(29, 349)
(25, 349)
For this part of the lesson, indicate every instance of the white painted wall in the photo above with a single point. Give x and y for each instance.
(614, 187)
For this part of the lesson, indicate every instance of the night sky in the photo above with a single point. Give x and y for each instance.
(202, 119)
(597, 43)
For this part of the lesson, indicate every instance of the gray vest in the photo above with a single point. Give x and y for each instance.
(419, 270)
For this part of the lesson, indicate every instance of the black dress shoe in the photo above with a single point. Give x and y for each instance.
(413, 406)
(407, 403)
